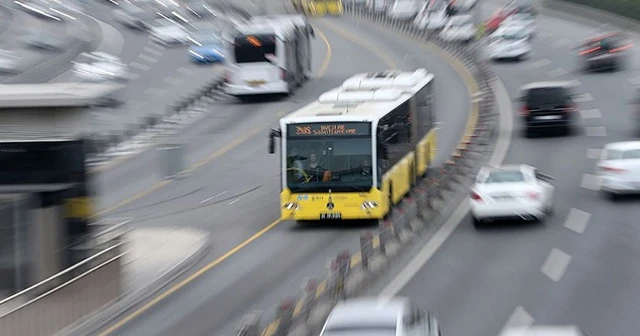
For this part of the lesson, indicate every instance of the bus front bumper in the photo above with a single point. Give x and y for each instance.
(246, 90)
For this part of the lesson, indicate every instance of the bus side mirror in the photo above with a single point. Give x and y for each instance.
(272, 142)
(384, 152)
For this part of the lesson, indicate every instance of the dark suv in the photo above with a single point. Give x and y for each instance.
(547, 105)
(604, 52)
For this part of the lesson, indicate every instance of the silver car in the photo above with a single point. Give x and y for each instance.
(372, 317)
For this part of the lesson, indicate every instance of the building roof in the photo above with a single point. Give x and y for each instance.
(54, 95)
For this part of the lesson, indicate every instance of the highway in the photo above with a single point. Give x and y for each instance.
(256, 259)
(578, 267)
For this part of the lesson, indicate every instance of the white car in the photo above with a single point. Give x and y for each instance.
(432, 16)
(464, 6)
(370, 317)
(99, 66)
(619, 168)
(8, 62)
(568, 330)
(511, 192)
(403, 10)
(459, 28)
(169, 33)
(509, 43)
(525, 21)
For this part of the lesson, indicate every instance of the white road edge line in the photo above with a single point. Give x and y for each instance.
(425, 254)
(541, 63)
(212, 197)
(596, 131)
(634, 81)
(590, 114)
(556, 264)
(577, 220)
(234, 201)
(148, 58)
(583, 98)
(139, 66)
(557, 72)
(591, 182)
(153, 51)
(519, 318)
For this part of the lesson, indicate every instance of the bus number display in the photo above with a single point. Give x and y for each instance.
(328, 129)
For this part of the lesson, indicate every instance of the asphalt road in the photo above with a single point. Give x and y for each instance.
(234, 195)
(578, 267)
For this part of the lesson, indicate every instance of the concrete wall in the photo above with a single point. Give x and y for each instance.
(62, 306)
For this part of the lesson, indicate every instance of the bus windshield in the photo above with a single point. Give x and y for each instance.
(254, 48)
(317, 163)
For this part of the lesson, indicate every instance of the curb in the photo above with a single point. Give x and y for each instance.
(92, 323)
(583, 14)
(348, 272)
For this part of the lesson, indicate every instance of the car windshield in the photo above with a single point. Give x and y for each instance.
(335, 160)
(623, 155)
(505, 176)
(546, 96)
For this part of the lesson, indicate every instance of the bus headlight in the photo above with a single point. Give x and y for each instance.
(290, 206)
(366, 205)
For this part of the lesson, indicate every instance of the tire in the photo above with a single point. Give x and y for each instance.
(612, 196)
(530, 133)
(477, 223)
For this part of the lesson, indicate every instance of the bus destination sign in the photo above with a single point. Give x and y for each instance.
(329, 129)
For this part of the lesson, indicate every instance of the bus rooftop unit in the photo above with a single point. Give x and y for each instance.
(354, 153)
(269, 57)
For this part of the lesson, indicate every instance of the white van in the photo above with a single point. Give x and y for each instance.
(403, 9)
(433, 15)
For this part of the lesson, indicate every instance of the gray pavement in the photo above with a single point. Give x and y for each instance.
(578, 267)
(234, 198)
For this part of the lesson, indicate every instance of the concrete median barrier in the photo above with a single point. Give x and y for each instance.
(350, 271)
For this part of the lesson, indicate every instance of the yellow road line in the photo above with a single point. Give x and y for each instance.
(271, 328)
(298, 308)
(322, 286)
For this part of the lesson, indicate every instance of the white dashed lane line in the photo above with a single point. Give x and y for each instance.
(172, 80)
(583, 98)
(590, 114)
(577, 220)
(148, 58)
(557, 72)
(541, 63)
(575, 82)
(153, 51)
(186, 71)
(556, 264)
(591, 182)
(134, 76)
(519, 318)
(139, 66)
(561, 43)
(596, 131)
(155, 92)
(594, 153)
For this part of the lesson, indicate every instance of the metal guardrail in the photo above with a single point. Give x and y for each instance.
(349, 272)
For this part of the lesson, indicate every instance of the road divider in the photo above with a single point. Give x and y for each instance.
(349, 272)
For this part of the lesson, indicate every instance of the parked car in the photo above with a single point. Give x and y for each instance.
(509, 43)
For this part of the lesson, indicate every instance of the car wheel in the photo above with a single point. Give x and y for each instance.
(530, 133)
(612, 196)
(477, 223)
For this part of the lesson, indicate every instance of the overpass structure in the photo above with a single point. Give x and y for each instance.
(51, 259)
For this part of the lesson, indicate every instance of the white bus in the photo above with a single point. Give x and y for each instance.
(358, 149)
(270, 55)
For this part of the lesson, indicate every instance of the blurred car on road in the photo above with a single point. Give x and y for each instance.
(133, 16)
(543, 330)
(511, 192)
(99, 66)
(199, 8)
(43, 40)
(169, 33)
(370, 317)
(433, 15)
(207, 47)
(526, 22)
(619, 168)
(609, 51)
(509, 43)
(459, 28)
(548, 106)
(8, 62)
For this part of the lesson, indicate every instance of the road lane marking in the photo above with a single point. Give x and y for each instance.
(212, 197)
(556, 264)
(443, 233)
(148, 58)
(575, 82)
(134, 76)
(583, 98)
(234, 201)
(139, 66)
(155, 92)
(153, 51)
(590, 114)
(577, 220)
(186, 71)
(172, 80)
(541, 63)
(591, 182)
(594, 153)
(557, 72)
(519, 318)
(596, 131)
(634, 81)
(561, 43)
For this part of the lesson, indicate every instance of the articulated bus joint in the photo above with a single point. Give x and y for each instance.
(275, 133)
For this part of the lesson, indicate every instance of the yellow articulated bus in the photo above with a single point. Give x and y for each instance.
(318, 7)
(356, 151)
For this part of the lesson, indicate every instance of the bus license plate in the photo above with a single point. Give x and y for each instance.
(336, 215)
